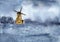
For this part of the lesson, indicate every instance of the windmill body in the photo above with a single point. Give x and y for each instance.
(19, 19)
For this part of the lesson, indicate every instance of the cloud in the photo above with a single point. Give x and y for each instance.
(8, 5)
(46, 2)
(41, 11)
(34, 9)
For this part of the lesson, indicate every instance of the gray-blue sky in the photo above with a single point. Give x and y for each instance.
(8, 5)
(46, 2)
(30, 8)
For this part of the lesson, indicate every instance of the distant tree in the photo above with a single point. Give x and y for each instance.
(10, 20)
(3, 19)
(6, 20)
(56, 19)
(48, 20)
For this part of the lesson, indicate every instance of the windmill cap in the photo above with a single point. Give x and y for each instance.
(18, 12)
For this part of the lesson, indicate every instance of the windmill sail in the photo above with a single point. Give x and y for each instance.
(21, 9)
(15, 11)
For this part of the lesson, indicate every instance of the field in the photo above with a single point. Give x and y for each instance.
(29, 33)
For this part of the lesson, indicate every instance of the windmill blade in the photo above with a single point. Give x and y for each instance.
(15, 11)
(21, 9)
(23, 13)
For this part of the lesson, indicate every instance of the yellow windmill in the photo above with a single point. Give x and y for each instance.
(19, 19)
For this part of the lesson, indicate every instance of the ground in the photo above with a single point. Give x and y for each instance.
(29, 33)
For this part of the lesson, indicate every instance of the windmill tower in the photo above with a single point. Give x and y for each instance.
(19, 19)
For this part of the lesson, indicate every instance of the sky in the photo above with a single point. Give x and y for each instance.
(34, 9)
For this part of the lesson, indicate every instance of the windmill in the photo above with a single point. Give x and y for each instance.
(19, 19)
